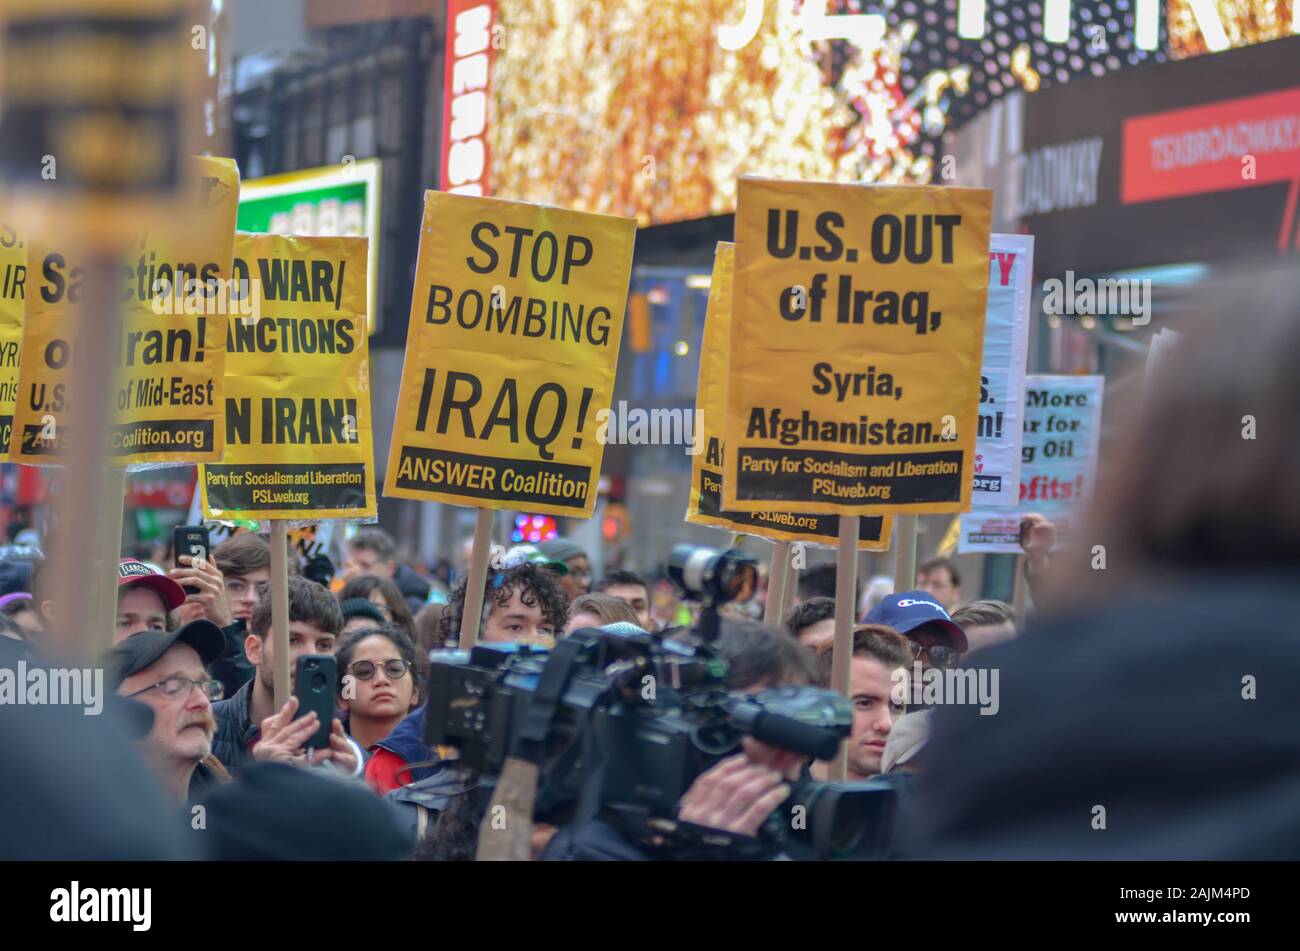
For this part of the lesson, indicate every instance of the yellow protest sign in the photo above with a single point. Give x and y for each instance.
(511, 349)
(13, 279)
(170, 348)
(298, 424)
(705, 504)
(856, 344)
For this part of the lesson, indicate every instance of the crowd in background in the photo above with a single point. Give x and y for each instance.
(1148, 710)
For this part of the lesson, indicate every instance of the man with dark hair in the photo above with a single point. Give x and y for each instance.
(880, 658)
(372, 551)
(248, 726)
(759, 657)
(522, 603)
(986, 623)
(939, 579)
(630, 587)
(244, 562)
(817, 581)
(812, 622)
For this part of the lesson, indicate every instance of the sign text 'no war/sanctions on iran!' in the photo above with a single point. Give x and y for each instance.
(516, 319)
(298, 423)
(854, 377)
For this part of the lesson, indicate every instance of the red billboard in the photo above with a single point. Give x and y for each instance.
(472, 36)
(1233, 143)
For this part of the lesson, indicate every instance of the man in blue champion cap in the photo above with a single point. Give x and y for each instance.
(936, 641)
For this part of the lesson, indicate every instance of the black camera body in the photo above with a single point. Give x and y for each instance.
(621, 723)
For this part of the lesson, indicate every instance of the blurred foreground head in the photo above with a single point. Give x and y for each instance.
(1205, 474)
(1150, 711)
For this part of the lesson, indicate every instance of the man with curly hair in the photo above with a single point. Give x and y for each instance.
(522, 603)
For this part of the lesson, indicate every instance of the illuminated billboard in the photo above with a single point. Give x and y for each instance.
(654, 108)
(1197, 27)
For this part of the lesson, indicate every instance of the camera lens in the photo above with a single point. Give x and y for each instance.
(845, 819)
(729, 575)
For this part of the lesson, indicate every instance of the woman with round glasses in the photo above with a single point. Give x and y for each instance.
(379, 682)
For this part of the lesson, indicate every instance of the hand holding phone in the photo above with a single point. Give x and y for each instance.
(315, 678)
(191, 540)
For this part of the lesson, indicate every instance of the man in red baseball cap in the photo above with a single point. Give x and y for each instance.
(144, 598)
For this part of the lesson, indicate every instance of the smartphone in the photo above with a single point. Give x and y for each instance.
(315, 677)
(189, 540)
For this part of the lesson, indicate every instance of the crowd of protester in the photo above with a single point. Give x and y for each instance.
(193, 644)
(1152, 695)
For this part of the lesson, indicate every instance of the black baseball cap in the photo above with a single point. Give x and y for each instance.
(912, 609)
(140, 650)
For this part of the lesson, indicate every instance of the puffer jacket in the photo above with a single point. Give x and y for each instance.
(235, 731)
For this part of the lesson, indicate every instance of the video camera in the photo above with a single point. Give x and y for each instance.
(621, 722)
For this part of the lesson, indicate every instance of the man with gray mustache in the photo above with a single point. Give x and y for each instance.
(167, 671)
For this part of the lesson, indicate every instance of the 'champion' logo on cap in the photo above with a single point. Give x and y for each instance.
(908, 602)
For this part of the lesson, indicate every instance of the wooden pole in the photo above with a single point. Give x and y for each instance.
(82, 543)
(506, 832)
(104, 578)
(478, 566)
(777, 571)
(904, 553)
(280, 610)
(791, 589)
(846, 584)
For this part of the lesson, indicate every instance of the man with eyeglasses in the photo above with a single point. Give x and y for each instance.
(167, 671)
(936, 641)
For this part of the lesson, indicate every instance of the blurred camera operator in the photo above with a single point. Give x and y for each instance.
(722, 812)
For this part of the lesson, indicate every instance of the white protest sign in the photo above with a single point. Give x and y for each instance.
(1002, 372)
(1058, 462)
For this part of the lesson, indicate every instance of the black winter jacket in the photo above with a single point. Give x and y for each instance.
(234, 729)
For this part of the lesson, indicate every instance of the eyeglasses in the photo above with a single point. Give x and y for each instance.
(393, 669)
(174, 687)
(940, 656)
